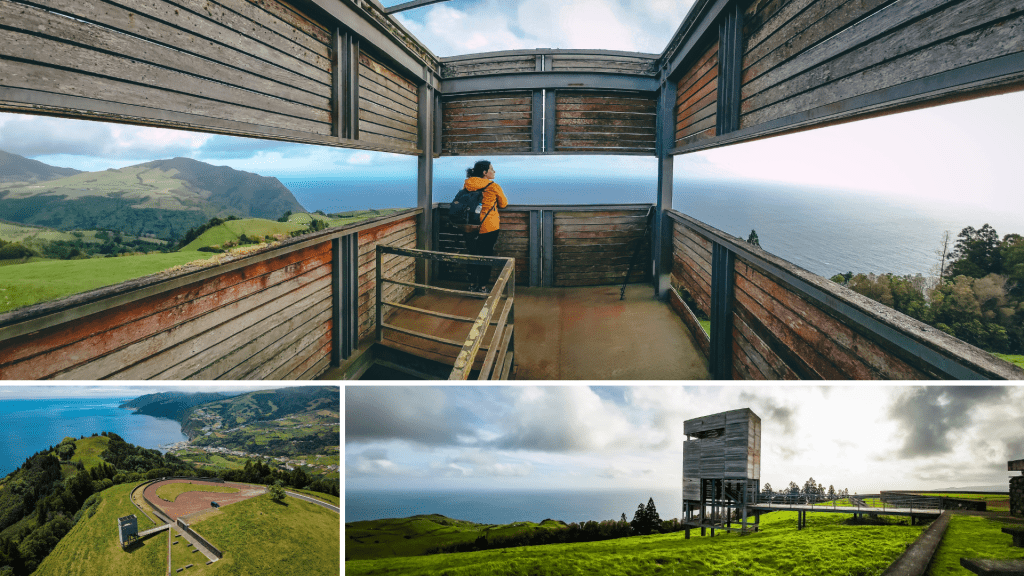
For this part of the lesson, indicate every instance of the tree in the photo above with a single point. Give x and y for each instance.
(976, 253)
(276, 492)
(943, 252)
(767, 489)
(752, 239)
(793, 488)
(831, 492)
(623, 519)
(646, 518)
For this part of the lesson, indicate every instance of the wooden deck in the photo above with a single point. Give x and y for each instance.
(582, 333)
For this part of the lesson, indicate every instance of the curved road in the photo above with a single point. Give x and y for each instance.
(329, 506)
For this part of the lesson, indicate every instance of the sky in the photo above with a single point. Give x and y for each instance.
(863, 438)
(943, 155)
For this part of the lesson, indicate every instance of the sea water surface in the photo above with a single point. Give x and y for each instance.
(505, 507)
(825, 231)
(33, 425)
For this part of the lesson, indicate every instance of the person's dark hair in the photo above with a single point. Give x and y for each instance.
(478, 169)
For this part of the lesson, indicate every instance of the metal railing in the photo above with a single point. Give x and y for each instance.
(500, 352)
(865, 502)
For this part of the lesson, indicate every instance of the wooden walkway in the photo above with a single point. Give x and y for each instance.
(887, 511)
(145, 533)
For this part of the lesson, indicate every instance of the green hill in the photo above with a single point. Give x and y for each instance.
(91, 548)
(232, 230)
(826, 546)
(15, 168)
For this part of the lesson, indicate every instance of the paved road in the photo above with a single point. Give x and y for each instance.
(316, 501)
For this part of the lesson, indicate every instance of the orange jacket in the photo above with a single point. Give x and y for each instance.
(491, 195)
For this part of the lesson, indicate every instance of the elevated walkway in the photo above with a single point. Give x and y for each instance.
(145, 533)
(887, 511)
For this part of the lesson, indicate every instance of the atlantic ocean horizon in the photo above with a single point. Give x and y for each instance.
(507, 506)
(34, 425)
(824, 231)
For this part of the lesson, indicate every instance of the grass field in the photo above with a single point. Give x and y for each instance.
(325, 497)
(414, 536)
(88, 450)
(825, 546)
(170, 492)
(91, 548)
(259, 536)
(1017, 359)
(994, 502)
(231, 230)
(971, 537)
(35, 282)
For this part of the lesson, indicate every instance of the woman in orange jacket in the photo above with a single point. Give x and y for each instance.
(481, 175)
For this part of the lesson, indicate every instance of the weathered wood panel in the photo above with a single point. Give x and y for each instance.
(261, 66)
(604, 122)
(683, 311)
(596, 247)
(388, 104)
(513, 242)
(696, 99)
(401, 234)
(609, 64)
(489, 122)
(489, 65)
(157, 336)
(691, 264)
(794, 338)
(826, 54)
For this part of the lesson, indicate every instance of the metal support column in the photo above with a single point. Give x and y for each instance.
(549, 120)
(548, 225)
(661, 240)
(730, 69)
(537, 122)
(425, 177)
(722, 262)
(345, 85)
(535, 249)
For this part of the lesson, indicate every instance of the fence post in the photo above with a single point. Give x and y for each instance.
(379, 285)
(722, 264)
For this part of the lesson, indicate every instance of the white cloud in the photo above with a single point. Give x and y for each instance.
(563, 419)
(360, 158)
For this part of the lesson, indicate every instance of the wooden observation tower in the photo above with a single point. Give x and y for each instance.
(721, 470)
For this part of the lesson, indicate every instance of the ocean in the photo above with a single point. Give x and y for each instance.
(824, 231)
(33, 425)
(504, 507)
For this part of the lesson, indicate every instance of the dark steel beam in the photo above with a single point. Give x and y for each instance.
(339, 41)
(834, 305)
(535, 259)
(1003, 71)
(550, 80)
(337, 304)
(661, 240)
(425, 179)
(410, 5)
(549, 120)
(349, 321)
(722, 261)
(537, 122)
(548, 52)
(352, 85)
(25, 101)
(548, 248)
(730, 70)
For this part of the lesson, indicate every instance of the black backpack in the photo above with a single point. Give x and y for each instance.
(464, 212)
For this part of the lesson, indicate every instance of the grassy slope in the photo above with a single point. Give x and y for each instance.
(826, 546)
(34, 282)
(88, 450)
(259, 536)
(1017, 359)
(170, 492)
(325, 497)
(91, 548)
(414, 536)
(971, 537)
(232, 229)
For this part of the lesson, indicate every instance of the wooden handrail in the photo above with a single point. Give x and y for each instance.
(499, 329)
(464, 362)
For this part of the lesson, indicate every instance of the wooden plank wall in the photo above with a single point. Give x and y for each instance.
(603, 63)
(262, 64)
(691, 265)
(779, 335)
(595, 247)
(482, 123)
(513, 242)
(804, 54)
(489, 65)
(268, 320)
(388, 105)
(401, 234)
(611, 122)
(696, 107)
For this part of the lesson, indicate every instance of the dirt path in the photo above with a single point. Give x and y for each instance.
(191, 502)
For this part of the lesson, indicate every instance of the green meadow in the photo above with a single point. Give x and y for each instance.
(232, 230)
(971, 537)
(170, 492)
(260, 536)
(827, 546)
(1017, 359)
(91, 548)
(88, 450)
(329, 498)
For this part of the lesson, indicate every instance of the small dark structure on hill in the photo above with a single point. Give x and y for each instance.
(721, 469)
(1016, 488)
(127, 530)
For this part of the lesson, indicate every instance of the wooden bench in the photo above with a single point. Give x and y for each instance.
(1018, 534)
(987, 567)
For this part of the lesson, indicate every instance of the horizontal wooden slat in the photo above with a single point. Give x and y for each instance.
(262, 364)
(388, 95)
(399, 82)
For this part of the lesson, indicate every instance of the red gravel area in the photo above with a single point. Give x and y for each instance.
(191, 502)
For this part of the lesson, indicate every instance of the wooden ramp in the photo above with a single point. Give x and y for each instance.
(145, 533)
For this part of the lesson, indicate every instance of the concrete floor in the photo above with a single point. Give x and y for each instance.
(583, 333)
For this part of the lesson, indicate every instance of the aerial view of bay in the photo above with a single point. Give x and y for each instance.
(33, 425)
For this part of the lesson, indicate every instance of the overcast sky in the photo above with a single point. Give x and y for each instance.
(864, 438)
(941, 155)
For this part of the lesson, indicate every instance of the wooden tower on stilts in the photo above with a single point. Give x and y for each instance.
(721, 470)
